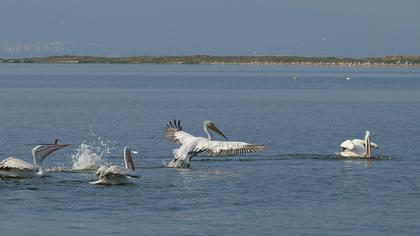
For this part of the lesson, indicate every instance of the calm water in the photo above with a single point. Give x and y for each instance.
(298, 187)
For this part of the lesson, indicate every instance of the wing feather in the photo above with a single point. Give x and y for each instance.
(374, 145)
(14, 163)
(174, 133)
(229, 148)
(115, 170)
(360, 142)
(348, 144)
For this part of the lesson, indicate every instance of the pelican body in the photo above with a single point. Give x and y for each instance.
(13, 167)
(117, 175)
(358, 147)
(192, 145)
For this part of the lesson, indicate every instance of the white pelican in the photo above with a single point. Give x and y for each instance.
(358, 147)
(191, 145)
(16, 168)
(116, 175)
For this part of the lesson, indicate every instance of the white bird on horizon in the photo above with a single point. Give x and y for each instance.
(358, 147)
(117, 175)
(192, 145)
(13, 167)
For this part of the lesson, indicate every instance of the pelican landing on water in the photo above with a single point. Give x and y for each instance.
(13, 167)
(358, 147)
(116, 175)
(191, 145)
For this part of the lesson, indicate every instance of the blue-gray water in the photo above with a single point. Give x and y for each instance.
(297, 187)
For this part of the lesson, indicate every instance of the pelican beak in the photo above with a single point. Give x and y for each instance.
(215, 129)
(44, 150)
(50, 148)
(368, 147)
(128, 159)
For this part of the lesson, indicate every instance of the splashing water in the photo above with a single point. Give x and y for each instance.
(86, 158)
(90, 156)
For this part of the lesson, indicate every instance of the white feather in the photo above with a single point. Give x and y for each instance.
(192, 145)
(115, 175)
(115, 170)
(16, 168)
(14, 163)
(355, 148)
(348, 144)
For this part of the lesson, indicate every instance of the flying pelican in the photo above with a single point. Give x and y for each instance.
(358, 147)
(13, 167)
(191, 145)
(116, 175)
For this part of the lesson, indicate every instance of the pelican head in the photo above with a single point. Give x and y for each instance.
(41, 151)
(128, 158)
(372, 144)
(207, 124)
(367, 135)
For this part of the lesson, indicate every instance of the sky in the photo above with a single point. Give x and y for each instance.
(343, 28)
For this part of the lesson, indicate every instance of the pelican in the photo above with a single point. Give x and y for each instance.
(358, 147)
(13, 167)
(116, 175)
(192, 145)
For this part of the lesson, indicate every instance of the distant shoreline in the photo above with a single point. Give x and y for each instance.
(402, 61)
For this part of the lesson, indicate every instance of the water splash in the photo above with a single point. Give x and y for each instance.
(91, 156)
(86, 158)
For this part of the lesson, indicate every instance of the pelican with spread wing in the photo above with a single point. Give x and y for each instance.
(192, 145)
(13, 167)
(358, 147)
(117, 175)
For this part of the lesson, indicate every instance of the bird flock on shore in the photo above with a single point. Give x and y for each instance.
(189, 147)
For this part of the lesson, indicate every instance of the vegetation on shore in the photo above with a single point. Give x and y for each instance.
(204, 59)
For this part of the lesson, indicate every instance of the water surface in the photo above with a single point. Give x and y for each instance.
(298, 187)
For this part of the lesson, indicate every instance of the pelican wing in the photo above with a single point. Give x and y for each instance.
(360, 142)
(14, 163)
(372, 144)
(348, 144)
(174, 133)
(115, 170)
(228, 148)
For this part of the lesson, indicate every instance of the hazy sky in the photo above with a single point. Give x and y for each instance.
(216, 27)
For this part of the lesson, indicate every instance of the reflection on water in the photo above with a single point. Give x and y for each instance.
(364, 162)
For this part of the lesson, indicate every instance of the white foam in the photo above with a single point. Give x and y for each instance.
(90, 156)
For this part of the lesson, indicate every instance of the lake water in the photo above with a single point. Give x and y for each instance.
(297, 187)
